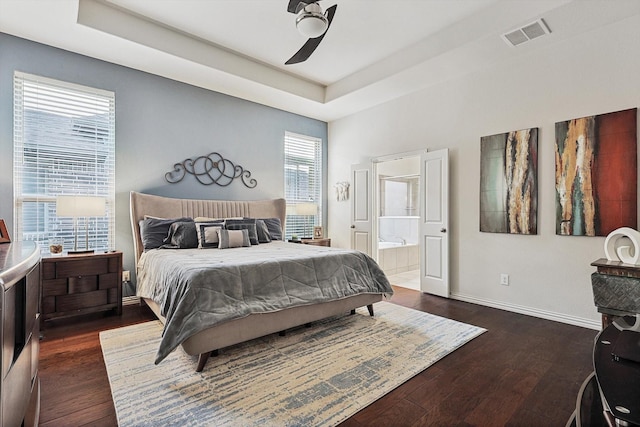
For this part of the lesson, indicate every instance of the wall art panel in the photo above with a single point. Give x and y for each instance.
(509, 182)
(596, 174)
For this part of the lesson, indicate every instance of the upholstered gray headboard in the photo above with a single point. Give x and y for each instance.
(167, 207)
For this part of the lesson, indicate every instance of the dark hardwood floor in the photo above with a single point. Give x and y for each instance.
(523, 371)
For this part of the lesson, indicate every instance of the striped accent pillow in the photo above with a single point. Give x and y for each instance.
(208, 234)
(233, 238)
(242, 224)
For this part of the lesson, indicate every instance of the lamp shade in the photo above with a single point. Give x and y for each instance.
(80, 206)
(307, 209)
(291, 209)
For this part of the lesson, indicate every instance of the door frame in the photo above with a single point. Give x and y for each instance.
(375, 209)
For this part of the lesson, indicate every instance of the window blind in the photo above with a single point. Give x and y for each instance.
(64, 144)
(303, 184)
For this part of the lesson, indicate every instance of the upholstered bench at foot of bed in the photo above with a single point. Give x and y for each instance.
(258, 325)
(291, 317)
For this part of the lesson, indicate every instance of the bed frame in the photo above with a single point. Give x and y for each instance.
(207, 342)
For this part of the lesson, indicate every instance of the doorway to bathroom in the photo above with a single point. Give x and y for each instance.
(370, 226)
(396, 218)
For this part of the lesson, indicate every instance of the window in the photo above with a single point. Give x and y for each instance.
(64, 144)
(302, 184)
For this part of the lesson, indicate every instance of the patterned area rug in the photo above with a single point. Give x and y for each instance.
(313, 376)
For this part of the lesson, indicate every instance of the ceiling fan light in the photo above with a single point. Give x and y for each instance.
(311, 22)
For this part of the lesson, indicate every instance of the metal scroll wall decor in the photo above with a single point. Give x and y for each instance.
(211, 169)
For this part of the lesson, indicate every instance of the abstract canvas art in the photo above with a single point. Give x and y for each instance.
(509, 182)
(596, 174)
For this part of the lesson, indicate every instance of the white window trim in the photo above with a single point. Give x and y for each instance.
(297, 145)
(91, 112)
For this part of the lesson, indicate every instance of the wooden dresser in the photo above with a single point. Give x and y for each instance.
(81, 284)
(20, 337)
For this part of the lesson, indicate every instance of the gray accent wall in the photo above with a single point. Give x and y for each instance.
(159, 122)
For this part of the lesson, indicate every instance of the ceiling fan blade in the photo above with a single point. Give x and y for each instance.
(307, 49)
(294, 5)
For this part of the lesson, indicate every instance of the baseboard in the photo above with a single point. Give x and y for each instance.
(132, 300)
(543, 314)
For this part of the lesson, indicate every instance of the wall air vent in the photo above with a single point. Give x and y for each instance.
(526, 33)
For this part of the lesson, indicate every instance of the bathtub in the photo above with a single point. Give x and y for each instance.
(387, 245)
(395, 257)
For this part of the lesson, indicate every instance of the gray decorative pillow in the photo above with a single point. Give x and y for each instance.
(263, 231)
(153, 231)
(207, 233)
(274, 227)
(233, 238)
(248, 224)
(182, 235)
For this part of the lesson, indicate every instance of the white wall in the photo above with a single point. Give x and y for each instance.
(597, 72)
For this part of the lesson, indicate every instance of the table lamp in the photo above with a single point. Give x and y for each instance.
(80, 206)
(307, 209)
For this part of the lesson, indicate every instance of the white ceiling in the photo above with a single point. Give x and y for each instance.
(363, 31)
(375, 50)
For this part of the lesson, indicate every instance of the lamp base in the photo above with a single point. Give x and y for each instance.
(82, 251)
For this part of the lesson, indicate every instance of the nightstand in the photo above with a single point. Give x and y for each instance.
(317, 242)
(80, 284)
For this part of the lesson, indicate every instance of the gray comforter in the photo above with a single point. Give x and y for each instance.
(199, 288)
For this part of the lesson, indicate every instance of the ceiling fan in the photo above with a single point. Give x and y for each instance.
(312, 23)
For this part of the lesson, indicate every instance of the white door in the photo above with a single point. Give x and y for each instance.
(434, 223)
(361, 207)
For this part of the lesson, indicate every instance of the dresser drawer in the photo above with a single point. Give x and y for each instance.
(115, 264)
(108, 281)
(82, 267)
(79, 301)
(81, 284)
(48, 306)
(54, 287)
(113, 295)
(48, 270)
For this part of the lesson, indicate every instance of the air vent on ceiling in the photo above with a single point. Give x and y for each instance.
(524, 34)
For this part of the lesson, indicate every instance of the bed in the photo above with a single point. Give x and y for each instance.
(209, 299)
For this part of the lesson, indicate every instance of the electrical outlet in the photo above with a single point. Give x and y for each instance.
(126, 276)
(504, 279)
